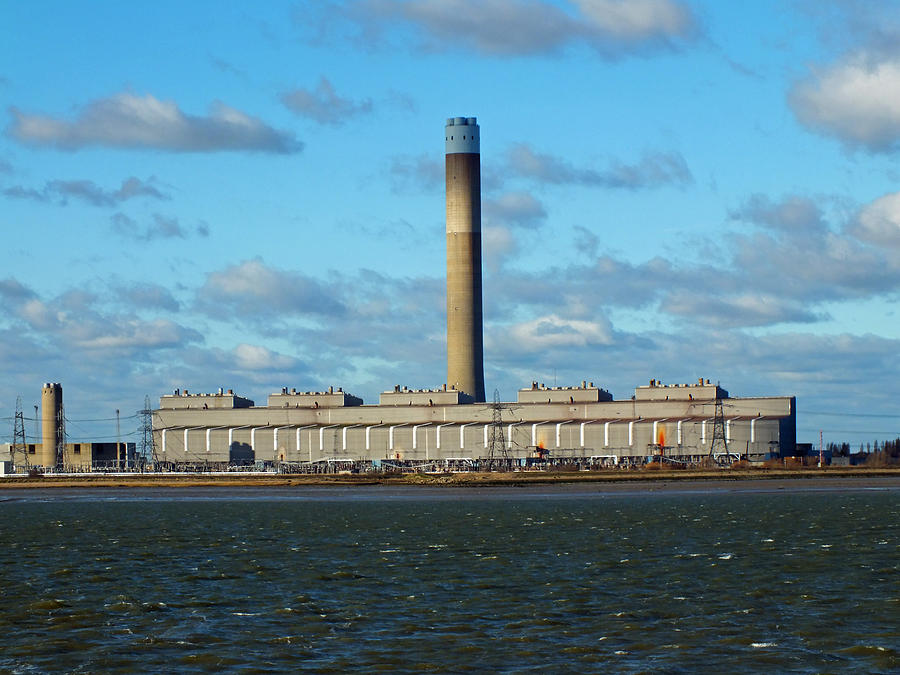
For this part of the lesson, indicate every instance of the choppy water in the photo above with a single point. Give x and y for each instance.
(417, 581)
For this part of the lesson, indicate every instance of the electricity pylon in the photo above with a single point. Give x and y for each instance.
(148, 446)
(719, 445)
(19, 444)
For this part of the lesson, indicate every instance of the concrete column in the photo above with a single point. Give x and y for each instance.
(465, 346)
(438, 434)
(509, 434)
(581, 433)
(51, 407)
(368, 435)
(558, 427)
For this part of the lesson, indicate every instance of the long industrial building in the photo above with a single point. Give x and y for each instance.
(453, 425)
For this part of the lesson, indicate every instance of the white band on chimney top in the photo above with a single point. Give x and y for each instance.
(462, 135)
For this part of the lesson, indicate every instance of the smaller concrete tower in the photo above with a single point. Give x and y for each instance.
(51, 407)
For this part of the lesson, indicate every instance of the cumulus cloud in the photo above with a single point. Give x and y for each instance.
(253, 289)
(554, 332)
(498, 244)
(786, 271)
(254, 357)
(586, 242)
(828, 267)
(879, 222)
(14, 290)
(162, 227)
(737, 310)
(515, 208)
(793, 213)
(612, 28)
(127, 334)
(147, 296)
(421, 171)
(323, 104)
(854, 101)
(244, 366)
(76, 320)
(653, 170)
(60, 191)
(129, 121)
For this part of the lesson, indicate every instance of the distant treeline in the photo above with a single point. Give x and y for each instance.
(886, 453)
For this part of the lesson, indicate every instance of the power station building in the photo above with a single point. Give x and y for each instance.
(452, 424)
(56, 453)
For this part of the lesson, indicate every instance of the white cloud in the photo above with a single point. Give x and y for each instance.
(793, 213)
(737, 310)
(879, 222)
(161, 227)
(129, 121)
(147, 296)
(14, 289)
(515, 208)
(323, 104)
(552, 332)
(252, 289)
(613, 28)
(422, 171)
(253, 357)
(128, 334)
(652, 170)
(498, 243)
(60, 191)
(632, 20)
(855, 101)
(76, 323)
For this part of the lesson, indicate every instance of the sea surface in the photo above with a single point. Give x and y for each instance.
(336, 580)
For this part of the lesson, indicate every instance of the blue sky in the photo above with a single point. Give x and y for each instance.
(250, 195)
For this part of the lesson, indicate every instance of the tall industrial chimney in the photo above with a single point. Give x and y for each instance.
(465, 345)
(51, 405)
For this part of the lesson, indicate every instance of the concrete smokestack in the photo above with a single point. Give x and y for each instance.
(465, 344)
(51, 405)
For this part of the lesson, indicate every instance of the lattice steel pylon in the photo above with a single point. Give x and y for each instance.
(19, 445)
(496, 442)
(60, 437)
(498, 445)
(719, 445)
(148, 446)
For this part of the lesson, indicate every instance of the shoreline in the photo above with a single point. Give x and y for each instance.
(611, 480)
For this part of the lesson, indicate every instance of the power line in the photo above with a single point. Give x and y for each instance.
(851, 431)
(105, 419)
(846, 414)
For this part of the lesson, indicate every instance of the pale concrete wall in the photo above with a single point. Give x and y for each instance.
(657, 391)
(51, 405)
(186, 400)
(341, 432)
(541, 394)
(419, 397)
(465, 350)
(313, 399)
